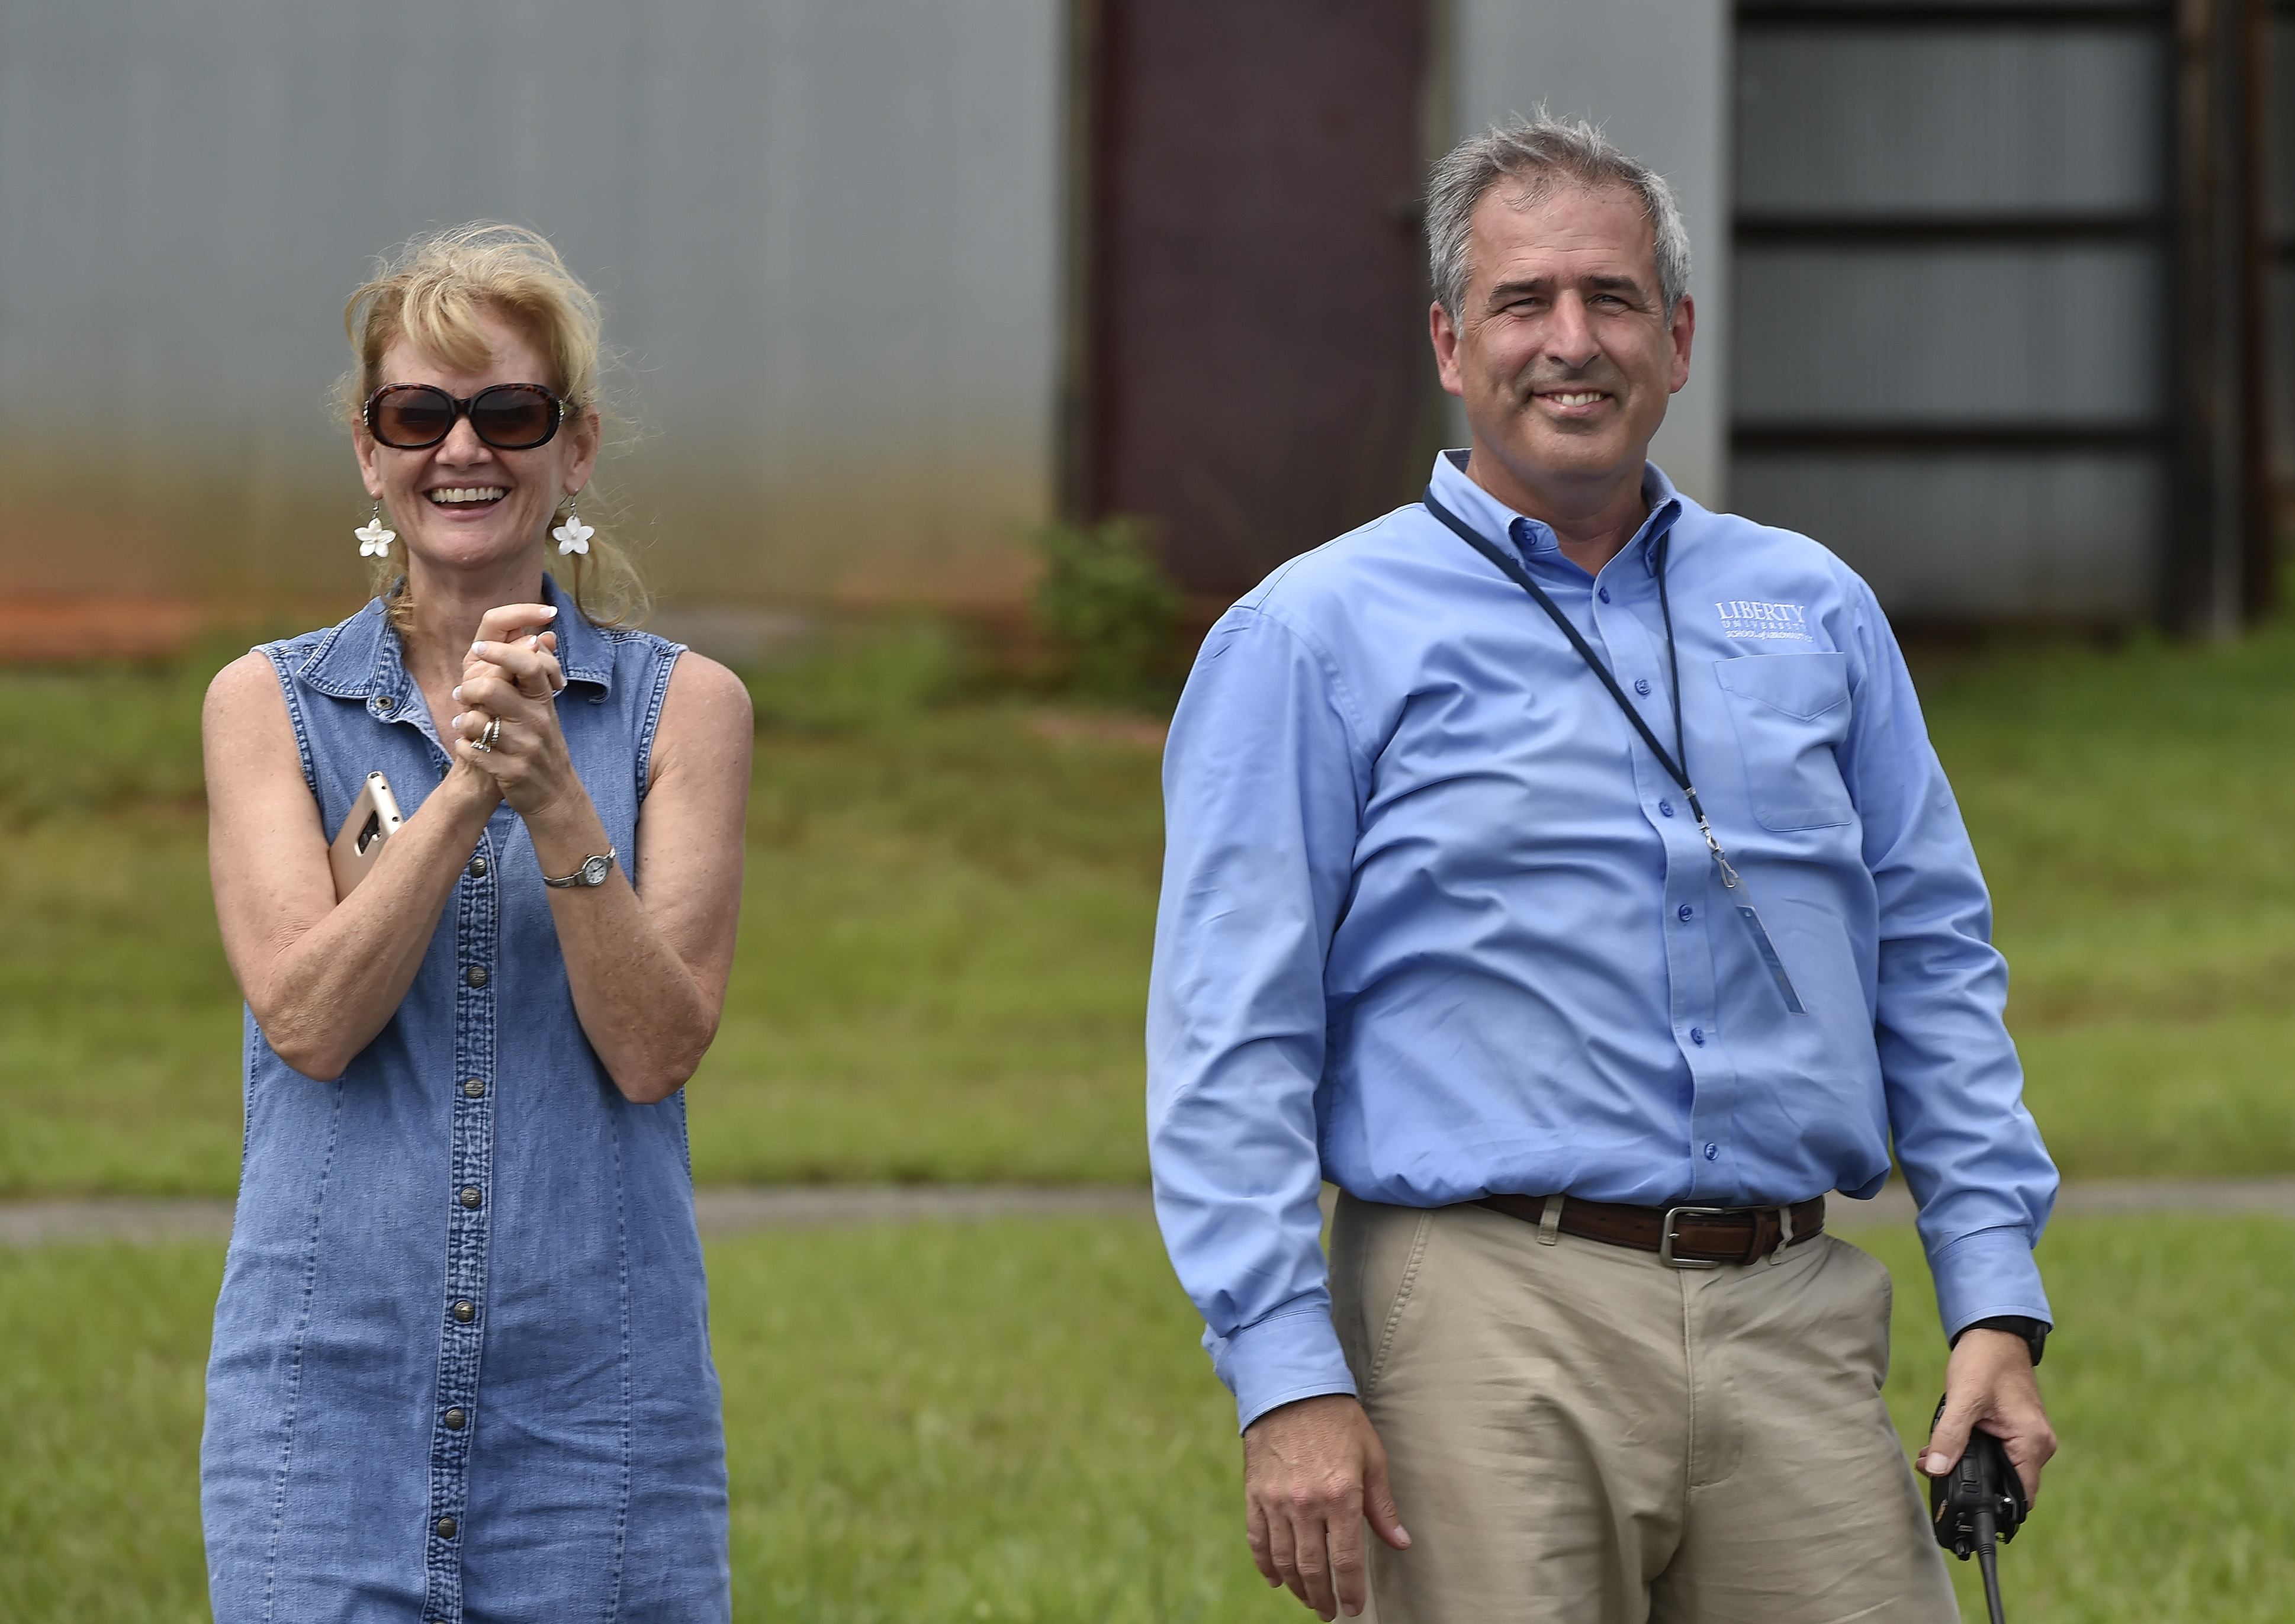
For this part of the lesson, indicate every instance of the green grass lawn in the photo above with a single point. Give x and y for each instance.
(948, 912)
(1012, 1421)
(2130, 811)
(944, 959)
(944, 935)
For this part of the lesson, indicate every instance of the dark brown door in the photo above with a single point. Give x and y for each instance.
(1257, 376)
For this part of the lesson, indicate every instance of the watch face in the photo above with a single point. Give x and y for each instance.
(594, 870)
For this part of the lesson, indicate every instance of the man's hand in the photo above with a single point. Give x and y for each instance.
(1990, 1383)
(1313, 1471)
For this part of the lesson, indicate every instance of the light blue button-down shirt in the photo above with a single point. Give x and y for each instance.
(1435, 923)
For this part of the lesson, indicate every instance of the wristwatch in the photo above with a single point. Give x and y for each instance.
(592, 871)
(2035, 1332)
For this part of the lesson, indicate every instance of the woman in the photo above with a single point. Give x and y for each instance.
(460, 1368)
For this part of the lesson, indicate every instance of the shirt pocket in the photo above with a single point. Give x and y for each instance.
(1789, 710)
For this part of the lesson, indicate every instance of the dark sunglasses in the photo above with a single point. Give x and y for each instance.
(508, 417)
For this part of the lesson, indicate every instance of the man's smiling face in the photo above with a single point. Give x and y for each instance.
(1562, 349)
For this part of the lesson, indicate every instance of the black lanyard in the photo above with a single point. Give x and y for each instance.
(1676, 764)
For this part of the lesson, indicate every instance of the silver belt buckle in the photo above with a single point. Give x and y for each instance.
(1665, 1237)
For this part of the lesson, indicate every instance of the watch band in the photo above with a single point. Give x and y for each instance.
(592, 872)
(2035, 1332)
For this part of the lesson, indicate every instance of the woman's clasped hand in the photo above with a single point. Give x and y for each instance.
(509, 730)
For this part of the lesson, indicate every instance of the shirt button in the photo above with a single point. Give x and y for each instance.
(1684, 913)
(470, 1197)
(1697, 1036)
(1641, 686)
(1712, 1153)
(1666, 807)
(478, 868)
(476, 975)
(446, 1527)
(1602, 592)
(454, 1419)
(476, 1087)
(465, 1310)
(388, 702)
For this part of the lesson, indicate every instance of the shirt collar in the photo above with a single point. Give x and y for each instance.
(361, 658)
(1533, 538)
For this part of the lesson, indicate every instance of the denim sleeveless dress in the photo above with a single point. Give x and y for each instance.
(460, 1368)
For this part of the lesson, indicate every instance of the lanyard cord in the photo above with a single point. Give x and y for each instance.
(1675, 765)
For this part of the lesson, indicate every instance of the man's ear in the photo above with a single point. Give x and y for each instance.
(1444, 334)
(1683, 331)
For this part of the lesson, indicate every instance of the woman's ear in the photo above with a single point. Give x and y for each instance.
(363, 447)
(586, 430)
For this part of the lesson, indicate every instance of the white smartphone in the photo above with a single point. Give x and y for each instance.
(374, 819)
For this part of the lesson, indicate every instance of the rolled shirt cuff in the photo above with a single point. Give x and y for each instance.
(1290, 1355)
(1986, 1274)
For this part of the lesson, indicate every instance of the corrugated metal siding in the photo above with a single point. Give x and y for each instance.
(1952, 362)
(1941, 333)
(826, 231)
(1975, 537)
(1655, 74)
(1872, 119)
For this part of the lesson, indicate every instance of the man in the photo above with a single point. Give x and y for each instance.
(1584, 993)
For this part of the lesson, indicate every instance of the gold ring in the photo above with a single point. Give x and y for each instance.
(492, 736)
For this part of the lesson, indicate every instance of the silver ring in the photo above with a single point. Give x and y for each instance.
(492, 736)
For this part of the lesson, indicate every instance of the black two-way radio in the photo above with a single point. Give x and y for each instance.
(1980, 1499)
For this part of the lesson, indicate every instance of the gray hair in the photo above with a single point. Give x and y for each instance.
(1539, 151)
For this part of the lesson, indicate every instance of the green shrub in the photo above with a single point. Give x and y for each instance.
(1110, 611)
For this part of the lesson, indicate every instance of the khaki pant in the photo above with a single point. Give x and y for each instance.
(1578, 1432)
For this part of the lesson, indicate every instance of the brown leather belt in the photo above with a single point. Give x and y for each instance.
(1683, 1237)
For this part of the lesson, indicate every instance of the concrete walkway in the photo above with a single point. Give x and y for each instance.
(720, 1211)
(741, 1211)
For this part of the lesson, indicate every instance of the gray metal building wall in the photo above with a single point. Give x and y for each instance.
(826, 232)
(1951, 362)
(829, 236)
(1655, 74)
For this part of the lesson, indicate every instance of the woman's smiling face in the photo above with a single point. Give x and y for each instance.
(463, 504)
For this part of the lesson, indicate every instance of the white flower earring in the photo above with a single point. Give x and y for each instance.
(374, 540)
(573, 535)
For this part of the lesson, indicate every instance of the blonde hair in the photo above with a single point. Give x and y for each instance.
(432, 293)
